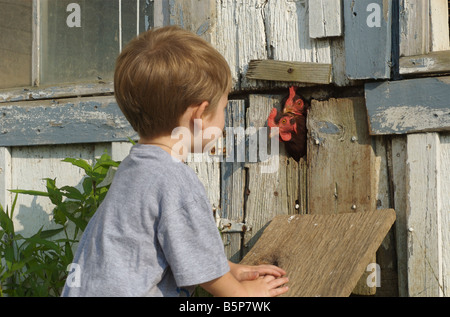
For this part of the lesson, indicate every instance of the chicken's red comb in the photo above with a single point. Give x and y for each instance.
(292, 93)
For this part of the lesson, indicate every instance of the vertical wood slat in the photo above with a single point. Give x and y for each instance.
(445, 211)
(427, 221)
(341, 160)
(399, 145)
(233, 177)
(276, 191)
(439, 29)
(368, 38)
(5, 177)
(414, 27)
(325, 18)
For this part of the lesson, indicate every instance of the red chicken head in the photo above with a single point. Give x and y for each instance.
(285, 123)
(294, 104)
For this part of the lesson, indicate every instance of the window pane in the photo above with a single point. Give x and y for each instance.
(80, 39)
(15, 43)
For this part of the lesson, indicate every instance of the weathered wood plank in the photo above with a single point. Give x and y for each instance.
(368, 38)
(5, 177)
(386, 256)
(414, 105)
(316, 262)
(325, 18)
(52, 92)
(315, 73)
(424, 215)
(268, 176)
(340, 158)
(265, 29)
(233, 176)
(439, 25)
(414, 27)
(399, 144)
(65, 121)
(30, 166)
(431, 63)
(196, 16)
(445, 211)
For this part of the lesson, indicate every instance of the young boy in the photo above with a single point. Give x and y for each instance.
(154, 234)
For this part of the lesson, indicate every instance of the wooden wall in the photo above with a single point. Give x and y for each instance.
(378, 132)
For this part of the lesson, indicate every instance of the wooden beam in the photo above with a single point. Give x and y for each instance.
(325, 18)
(368, 38)
(431, 63)
(314, 73)
(414, 105)
(323, 255)
(64, 121)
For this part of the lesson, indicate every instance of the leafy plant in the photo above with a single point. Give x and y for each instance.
(36, 266)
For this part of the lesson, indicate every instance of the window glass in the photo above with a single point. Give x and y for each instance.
(15, 43)
(81, 39)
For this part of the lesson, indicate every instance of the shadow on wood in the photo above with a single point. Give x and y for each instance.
(323, 255)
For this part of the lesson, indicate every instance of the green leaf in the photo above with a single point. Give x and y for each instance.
(72, 193)
(5, 222)
(55, 194)
(80, 163)
(50, 233)
(29, 192)
(87, 185)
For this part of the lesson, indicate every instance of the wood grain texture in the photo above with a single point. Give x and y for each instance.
(277, 190)
(316, 262)
(63, 121)
(315, 73)
(427, 221)
(414, 27)
(341, 174)
(5, 177)
(406, 106)
(431, 63)
(233, 178)
(325, 18)
(265, 29)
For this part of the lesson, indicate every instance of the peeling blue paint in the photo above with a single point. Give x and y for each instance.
(48, 123)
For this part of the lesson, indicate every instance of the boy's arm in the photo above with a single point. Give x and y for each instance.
(228, 286)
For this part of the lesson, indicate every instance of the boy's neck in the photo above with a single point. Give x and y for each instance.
(167, 143)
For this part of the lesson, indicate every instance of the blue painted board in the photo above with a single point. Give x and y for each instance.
(47, 122)
(368, 38)
(407, 106)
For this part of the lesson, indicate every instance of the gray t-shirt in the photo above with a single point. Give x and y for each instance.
(153, 235)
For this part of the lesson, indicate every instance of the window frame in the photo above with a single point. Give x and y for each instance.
(78, 89)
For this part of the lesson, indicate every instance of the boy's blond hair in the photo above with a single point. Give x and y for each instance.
(161, 73)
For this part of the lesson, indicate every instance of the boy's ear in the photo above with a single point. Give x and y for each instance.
(200, 110)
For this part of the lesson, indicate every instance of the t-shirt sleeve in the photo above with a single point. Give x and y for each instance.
(191, 244)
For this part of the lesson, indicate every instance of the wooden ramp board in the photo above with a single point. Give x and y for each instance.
(323, 255)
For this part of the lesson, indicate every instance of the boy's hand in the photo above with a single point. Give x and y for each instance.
(266, 286)
(229, 286)
(248, 272)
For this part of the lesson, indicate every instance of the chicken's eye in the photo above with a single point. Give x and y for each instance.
(284, 121)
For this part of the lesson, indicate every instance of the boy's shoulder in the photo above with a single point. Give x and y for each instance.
(155, 165)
